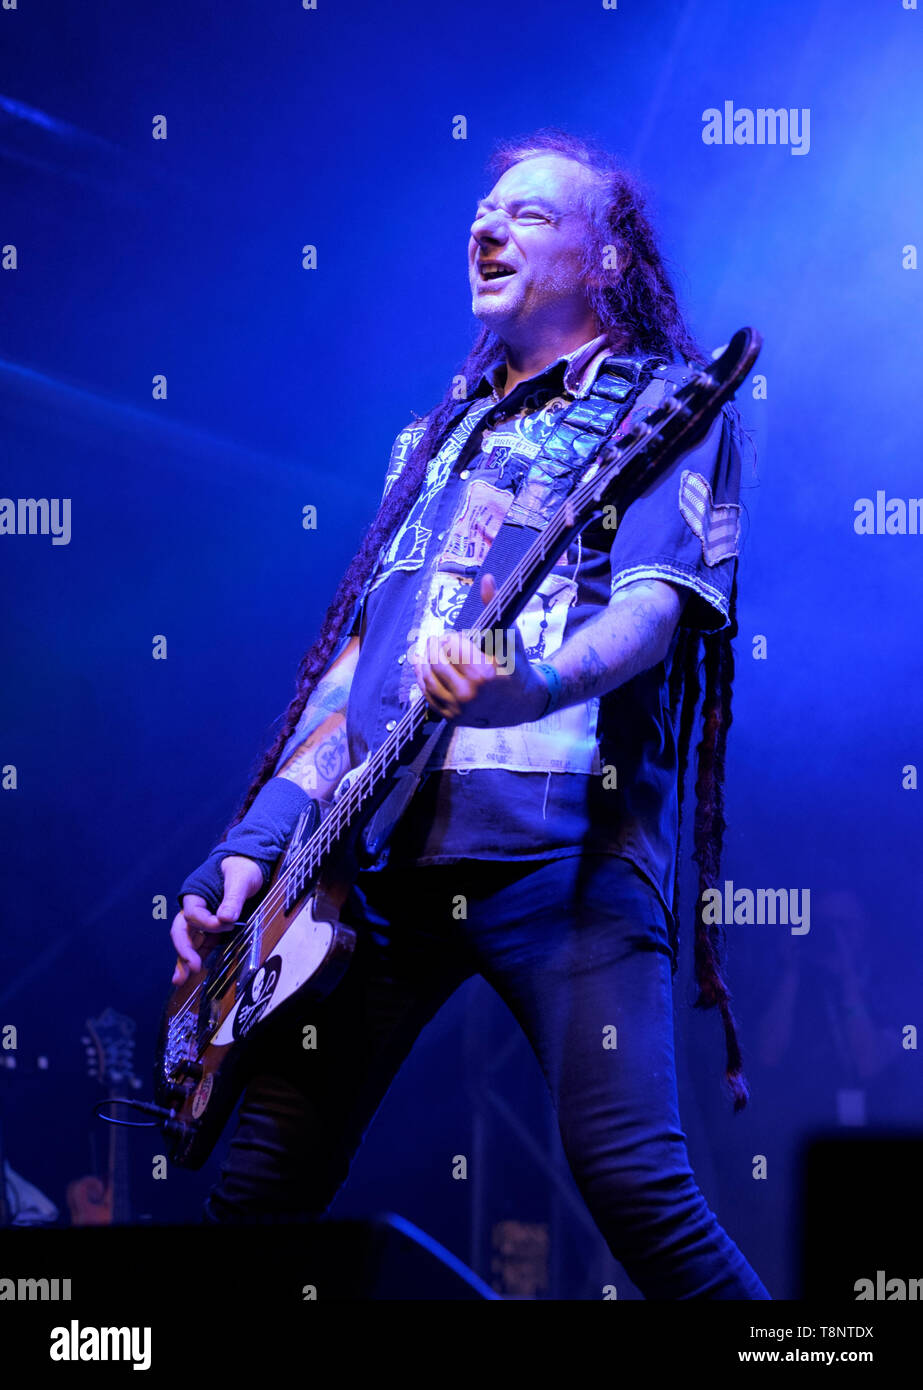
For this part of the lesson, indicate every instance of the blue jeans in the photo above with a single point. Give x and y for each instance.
(575, 947)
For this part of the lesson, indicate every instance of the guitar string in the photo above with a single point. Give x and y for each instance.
(235, 951)
(239, 947)
(352, 799)
(357, 790)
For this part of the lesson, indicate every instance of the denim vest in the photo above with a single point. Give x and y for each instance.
(528, 466)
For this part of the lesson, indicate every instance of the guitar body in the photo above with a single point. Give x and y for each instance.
(104, 1201)
(89, 1202)
(294, 948)
(289, 953)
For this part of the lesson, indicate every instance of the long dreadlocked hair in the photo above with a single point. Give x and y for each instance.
(636, 305)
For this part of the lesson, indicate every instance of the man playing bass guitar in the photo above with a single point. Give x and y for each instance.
(552, 809)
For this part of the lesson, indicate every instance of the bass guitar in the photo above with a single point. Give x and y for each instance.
(293, 948)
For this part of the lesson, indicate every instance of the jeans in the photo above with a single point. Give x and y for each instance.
(576, 947)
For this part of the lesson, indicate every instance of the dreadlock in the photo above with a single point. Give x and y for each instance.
(635, 304)
(717, 664)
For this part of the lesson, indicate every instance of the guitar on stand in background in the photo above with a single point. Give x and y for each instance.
(95, 1201)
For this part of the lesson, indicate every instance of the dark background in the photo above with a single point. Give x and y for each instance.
(286, 387)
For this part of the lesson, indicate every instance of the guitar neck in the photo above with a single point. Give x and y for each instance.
(118, 1168)
(620, 471)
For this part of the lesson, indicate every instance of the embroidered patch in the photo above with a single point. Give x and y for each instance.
(478, 520)
(512, 443)
(717, 526)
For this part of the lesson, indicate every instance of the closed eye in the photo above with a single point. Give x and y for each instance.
(521, 214)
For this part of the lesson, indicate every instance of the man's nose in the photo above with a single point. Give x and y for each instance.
(489, 228)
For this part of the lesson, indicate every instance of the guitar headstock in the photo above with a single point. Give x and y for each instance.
(680, 420)
(687, 409)
(110, 1045)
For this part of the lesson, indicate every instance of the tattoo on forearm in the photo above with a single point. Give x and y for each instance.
(329, 695)
(322, 758)
(332, 758)
(629, 633)
(328, 698)
(648, 620)
(582, 684)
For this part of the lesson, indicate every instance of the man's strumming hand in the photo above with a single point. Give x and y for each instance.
(192, 927)
(471, 687)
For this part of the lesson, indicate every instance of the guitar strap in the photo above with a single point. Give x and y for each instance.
(623, 388)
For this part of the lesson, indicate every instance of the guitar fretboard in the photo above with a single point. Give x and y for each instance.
(639, 454)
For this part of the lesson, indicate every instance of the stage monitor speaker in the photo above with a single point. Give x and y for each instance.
(861, 1217)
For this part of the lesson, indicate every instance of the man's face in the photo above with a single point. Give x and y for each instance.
(532, 222)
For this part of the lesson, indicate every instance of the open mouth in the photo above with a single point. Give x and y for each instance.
(489, 271)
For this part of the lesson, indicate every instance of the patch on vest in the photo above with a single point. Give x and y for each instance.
(716, 525)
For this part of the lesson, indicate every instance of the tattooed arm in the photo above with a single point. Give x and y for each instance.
(627, 637)
(321, 758)
(630, 635)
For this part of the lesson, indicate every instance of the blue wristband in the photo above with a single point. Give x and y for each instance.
(555, 687)
(261, 835)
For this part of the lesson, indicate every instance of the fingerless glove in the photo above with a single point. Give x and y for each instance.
(261, 836)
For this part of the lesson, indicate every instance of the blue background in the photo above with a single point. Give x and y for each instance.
(285, 387)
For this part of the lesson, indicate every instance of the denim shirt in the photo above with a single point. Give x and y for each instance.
(594, 777)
